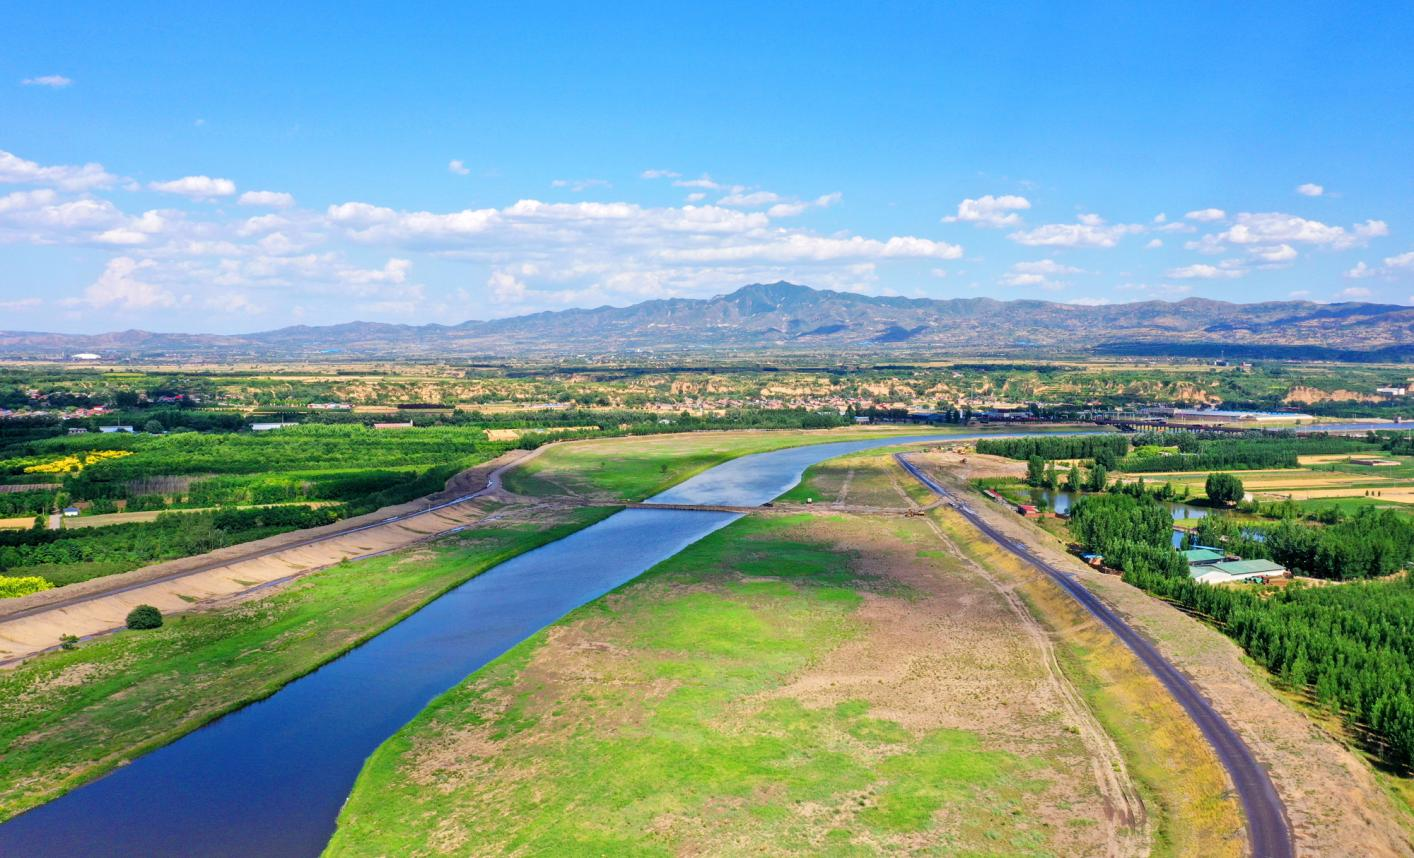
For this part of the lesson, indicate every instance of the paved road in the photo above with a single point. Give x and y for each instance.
(1268, 832)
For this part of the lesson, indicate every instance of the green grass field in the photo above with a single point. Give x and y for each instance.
(675, 733)
(635, 468)
(67, 717)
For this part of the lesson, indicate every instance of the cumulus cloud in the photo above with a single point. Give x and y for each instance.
(19, 171)
(1089, 231)
(1277, 228)
(660, 174)
(1273, 253)
(121, 287)
(18, 305)
(267, 199)
(456, 166)
(1353, 293)
(1154, 244)
(1203, 271)
(1206, 215)
(1403, 262)
(1310, 189)
(989, 210)
(53, 81)
(196, 187)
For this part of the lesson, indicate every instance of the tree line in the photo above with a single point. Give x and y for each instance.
(1049, 447)
(1348, 647)
(1370, 544)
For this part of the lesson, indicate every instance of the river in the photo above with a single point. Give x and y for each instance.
(269, 779)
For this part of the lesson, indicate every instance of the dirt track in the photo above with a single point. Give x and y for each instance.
(33, 624)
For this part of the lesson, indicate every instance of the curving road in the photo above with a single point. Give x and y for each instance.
(1268, 832)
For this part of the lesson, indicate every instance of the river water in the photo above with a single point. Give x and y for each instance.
(269, 779)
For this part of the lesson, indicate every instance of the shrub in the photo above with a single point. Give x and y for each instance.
(10, 587)
(144, 617)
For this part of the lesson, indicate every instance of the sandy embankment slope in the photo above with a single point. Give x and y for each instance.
(33, 623)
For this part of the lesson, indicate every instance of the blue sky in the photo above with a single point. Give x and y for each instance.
(178, 168)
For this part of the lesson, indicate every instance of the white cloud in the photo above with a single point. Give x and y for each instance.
(1206, 215)
(816, 248)
(1391, 265)
(120, 288)
(1089, 302)
(456, 166)
(1273, 253)
(19, 304)
(989, 210)
(580, 185)
(787, 210)
(1203, 271)
(233, 302)
(1090, 231)
(1372, 229)
(659, 174)
(1353, 293)
(196, 187)
(1038, 272)
(1278, 227)
(17, 170)
(23, 200)
(268, 199)
(395, 271)
(792, 209)
(53, 81)
(1403, 261)
(749, 200)
(1299, 294)
(705, 182)
(1154, 244)
(1044, 266)
(1310, 189)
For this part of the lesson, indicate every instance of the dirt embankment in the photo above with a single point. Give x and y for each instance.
(1301, 395)
(33, 623)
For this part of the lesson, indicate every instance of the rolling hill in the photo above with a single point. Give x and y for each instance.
(784, 316)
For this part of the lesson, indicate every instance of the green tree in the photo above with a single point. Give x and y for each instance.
(1035, 471)
(1098, 478)
(1224, 489)
(1072, 479)
(153, 427)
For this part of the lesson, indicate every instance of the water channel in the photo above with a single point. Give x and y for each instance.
(270, 779)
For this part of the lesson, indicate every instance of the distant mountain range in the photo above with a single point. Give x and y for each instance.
(784, 316)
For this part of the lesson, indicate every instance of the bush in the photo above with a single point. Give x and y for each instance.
(11, 587)
(144, 617)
